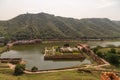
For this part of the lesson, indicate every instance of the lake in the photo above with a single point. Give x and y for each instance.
(33, 55)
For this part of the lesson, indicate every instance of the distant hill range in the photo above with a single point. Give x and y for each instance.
(47, 26)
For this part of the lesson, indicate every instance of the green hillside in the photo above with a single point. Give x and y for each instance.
(117, 22)
(47, 26)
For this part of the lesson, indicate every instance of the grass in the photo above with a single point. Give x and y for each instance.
(2, 49)
(4, 64)
(104, 50)
(76, 53)
(68, 53)
(66, 75)
(58, 52)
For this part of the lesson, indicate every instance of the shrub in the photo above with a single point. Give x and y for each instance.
(19, 69)
(113, 50)
(97, 48)
(100, 54)
(113, 59)
(66, 45)
(58, 49)
(34, 69)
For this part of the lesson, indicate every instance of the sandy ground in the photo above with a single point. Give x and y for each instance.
(12, 66)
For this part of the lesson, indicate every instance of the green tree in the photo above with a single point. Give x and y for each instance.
(66, 45)
(113, 59)
(19, 69)
(34, 69)
(100, 54)
(97, 48)
(112, 50)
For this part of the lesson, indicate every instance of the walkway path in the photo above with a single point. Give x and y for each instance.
(96, 67)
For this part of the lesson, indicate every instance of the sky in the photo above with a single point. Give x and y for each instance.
(66, 8)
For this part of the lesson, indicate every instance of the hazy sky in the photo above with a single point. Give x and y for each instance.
(66, 8)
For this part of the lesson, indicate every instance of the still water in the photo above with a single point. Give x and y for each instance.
(33, 55)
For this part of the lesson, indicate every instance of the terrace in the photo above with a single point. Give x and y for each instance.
(63, 52)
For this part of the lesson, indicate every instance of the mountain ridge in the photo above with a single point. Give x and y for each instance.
(47, 26)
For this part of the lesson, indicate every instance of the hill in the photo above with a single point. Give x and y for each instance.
(117, 22)
(47, 26)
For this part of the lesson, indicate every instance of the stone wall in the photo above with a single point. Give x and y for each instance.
(23, 42)
(10, 60)
(64, 56)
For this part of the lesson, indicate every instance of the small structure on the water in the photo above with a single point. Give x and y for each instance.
(78, 48)
(64, 52)
(69, 49)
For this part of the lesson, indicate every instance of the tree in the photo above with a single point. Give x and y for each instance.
(97, 48)
(58, 49)
(113, 59)
(100, 54)
(112, 50)
(66, 45)
(19, 69)
(34, 69)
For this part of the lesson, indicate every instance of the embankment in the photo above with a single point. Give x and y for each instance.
(64, 57)
(23, 42)
(3, 49)
(10, 60)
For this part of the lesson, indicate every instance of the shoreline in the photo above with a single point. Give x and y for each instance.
(4, 49)
(52, 41)
(85, 67)
(18, 45)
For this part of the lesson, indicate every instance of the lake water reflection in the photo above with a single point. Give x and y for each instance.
(33, 55)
